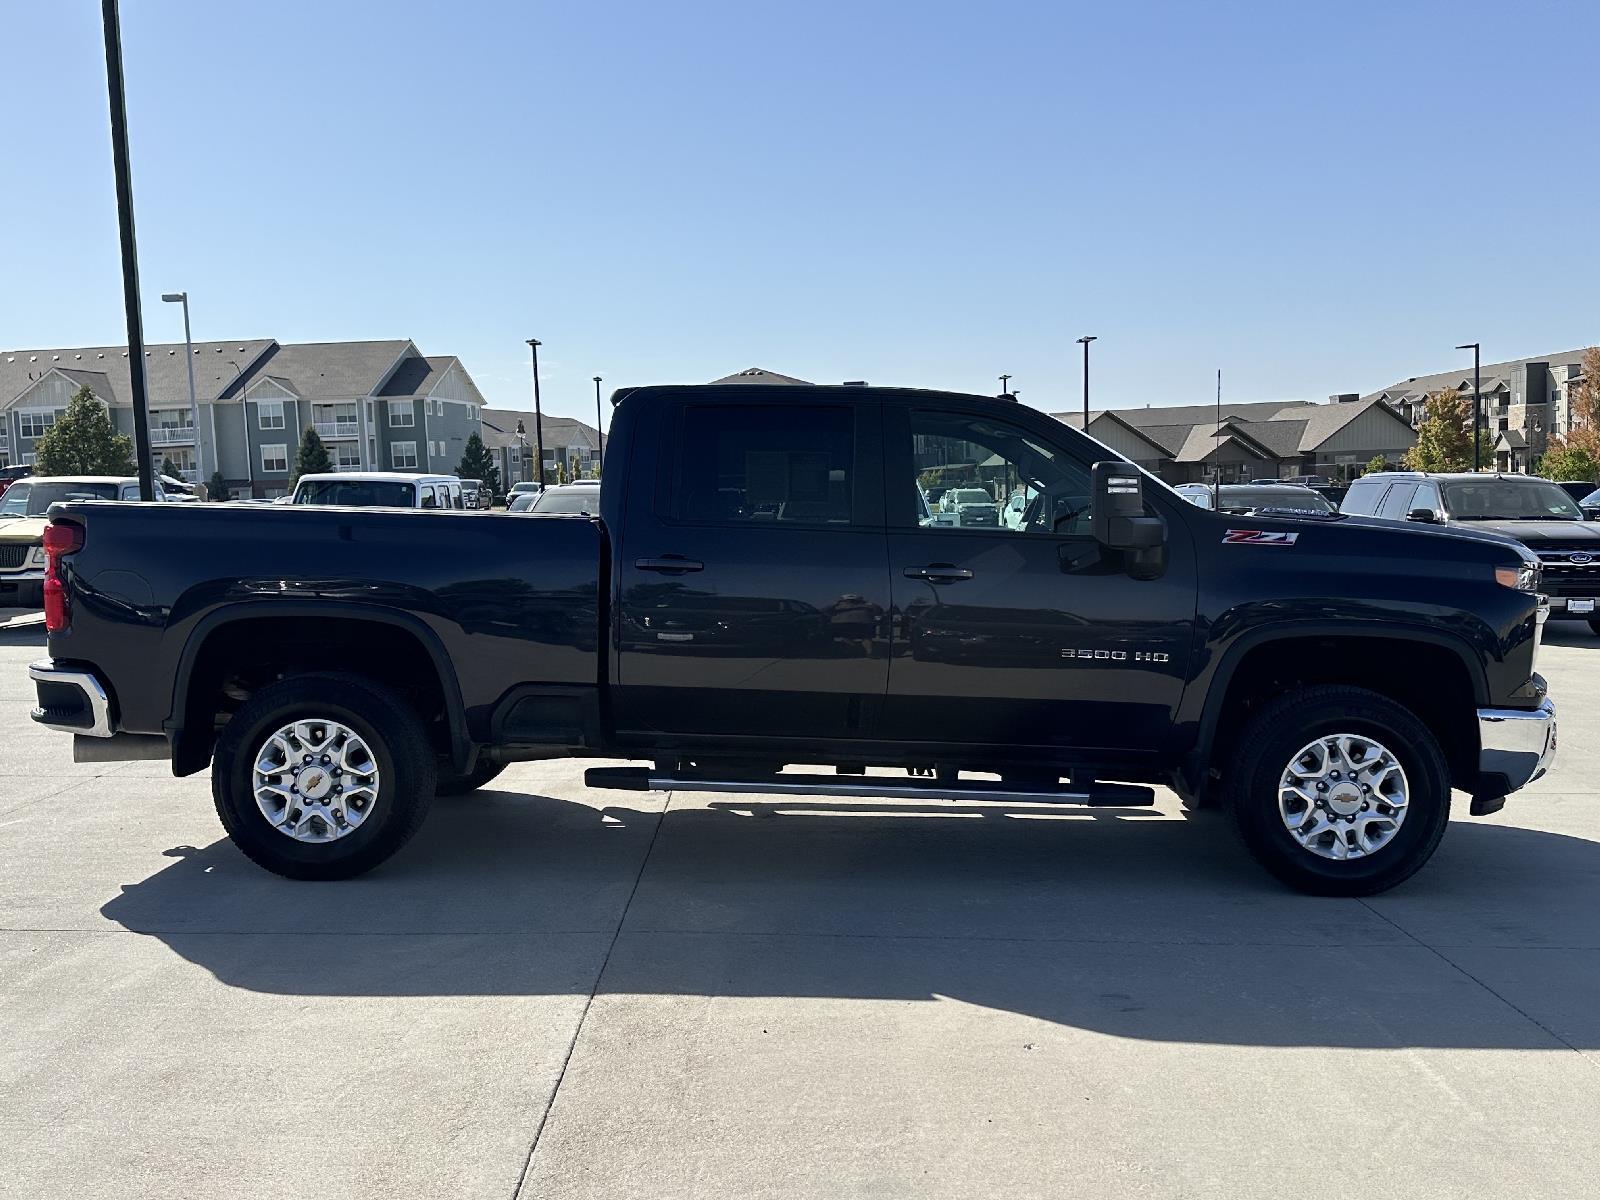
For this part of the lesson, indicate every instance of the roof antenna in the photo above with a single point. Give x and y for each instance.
(1216, 453)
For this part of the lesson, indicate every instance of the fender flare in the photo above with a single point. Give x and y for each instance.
(462, 751)
(1210, 715)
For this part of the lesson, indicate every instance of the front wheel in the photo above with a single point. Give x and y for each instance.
(1339, 791)
(322, 776)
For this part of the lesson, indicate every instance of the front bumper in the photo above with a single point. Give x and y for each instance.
(70, 700)
(35, 576)
(1517, 745)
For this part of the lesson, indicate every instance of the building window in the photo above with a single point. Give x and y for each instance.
(269, 414)
(403, 455)
(347, 455)
(27, 460)
(402, 415)
(275, 457)
(35, 421)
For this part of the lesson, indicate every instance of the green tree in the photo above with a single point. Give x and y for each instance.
(312, 456)
(477, 463)
(1444, 438)
(83, 442)
(574, 468)
(218, 489)
(170, 468)
(1378, 463)
(1570, 462)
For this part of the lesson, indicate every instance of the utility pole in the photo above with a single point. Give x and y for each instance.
(130, 252)
(1477, 404)
(1084, 342)
(1004, 381)
(538, 416)
(599, 428)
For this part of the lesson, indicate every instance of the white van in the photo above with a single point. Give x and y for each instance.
(379, 489)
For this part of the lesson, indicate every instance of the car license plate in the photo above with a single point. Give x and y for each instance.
(1580, 606)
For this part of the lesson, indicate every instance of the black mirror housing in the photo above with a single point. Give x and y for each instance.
(1425, 515)
(1117, 515)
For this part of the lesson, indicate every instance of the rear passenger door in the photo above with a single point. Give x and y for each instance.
(753, 585)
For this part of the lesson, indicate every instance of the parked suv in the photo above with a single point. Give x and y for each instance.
(1537, 513)
(23, 521)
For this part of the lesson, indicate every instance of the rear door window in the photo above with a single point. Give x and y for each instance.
(1362, 500)
(765, 464)
(1398, 502)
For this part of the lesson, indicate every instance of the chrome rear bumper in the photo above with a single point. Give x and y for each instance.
(1519, 745)
(71, 701)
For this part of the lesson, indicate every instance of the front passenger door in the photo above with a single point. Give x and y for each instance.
(1024, 635)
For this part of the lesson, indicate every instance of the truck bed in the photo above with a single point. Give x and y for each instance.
(503, 604)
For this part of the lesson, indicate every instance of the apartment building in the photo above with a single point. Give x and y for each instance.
(379, 405)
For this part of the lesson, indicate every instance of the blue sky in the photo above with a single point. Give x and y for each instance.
(1315, 198)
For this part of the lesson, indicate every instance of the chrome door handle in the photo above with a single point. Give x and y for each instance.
(669, 564)
(939, 573)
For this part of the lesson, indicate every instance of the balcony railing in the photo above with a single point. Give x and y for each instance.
(337, 429)
(172, 435)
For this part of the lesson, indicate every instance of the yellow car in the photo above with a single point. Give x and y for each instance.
(22, 522)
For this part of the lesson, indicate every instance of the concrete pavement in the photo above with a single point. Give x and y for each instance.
(555, 994)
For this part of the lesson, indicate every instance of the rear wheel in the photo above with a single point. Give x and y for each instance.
(1339, 791)
(1595, 626)
(322, 776)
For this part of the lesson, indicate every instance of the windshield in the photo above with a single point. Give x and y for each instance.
(1509, 500)
(583, 500)
(1282, 499)
(363, 493)
(35, 499)
(1592, 500)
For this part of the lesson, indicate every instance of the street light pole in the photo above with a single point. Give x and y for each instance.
(1084, 342)
(130, 251)
(538, 417)
(1477, 403)
(1004, 381)
(599, 428)
(188, 358)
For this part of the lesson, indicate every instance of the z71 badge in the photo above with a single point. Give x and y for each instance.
(1259, 537)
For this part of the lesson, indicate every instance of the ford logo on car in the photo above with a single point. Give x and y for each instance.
(1581, 558)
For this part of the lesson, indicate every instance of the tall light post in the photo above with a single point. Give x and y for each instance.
(1005, 381)
(599, 428)
(538, 416)
(188, 358)
(123, 173)
(1084, 342)
(1477, 403)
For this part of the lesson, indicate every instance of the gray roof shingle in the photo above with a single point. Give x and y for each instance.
(166, 372)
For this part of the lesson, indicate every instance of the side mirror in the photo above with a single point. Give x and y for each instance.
(1117, 516)
(1426, 516)
(1592, 514)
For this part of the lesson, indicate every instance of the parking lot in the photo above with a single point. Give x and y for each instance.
(560, 993)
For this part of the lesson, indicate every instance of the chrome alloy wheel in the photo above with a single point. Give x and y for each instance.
(316, 780)
(1343, 796)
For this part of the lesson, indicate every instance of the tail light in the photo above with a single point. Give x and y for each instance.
(60, 539)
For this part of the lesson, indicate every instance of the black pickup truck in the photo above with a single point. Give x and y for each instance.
(765, 587)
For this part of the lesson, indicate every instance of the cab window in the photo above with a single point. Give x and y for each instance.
(428, 498)
(995, 477)
(765, 464)
(1398, 502)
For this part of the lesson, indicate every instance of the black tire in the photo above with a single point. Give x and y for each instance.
(398, 743)
(1594, 626)
(453, 784)
(1277, 732)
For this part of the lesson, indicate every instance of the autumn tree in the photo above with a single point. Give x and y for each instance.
(1576, 454)
(83, 442)
(1444, 437)
(1377, 463)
